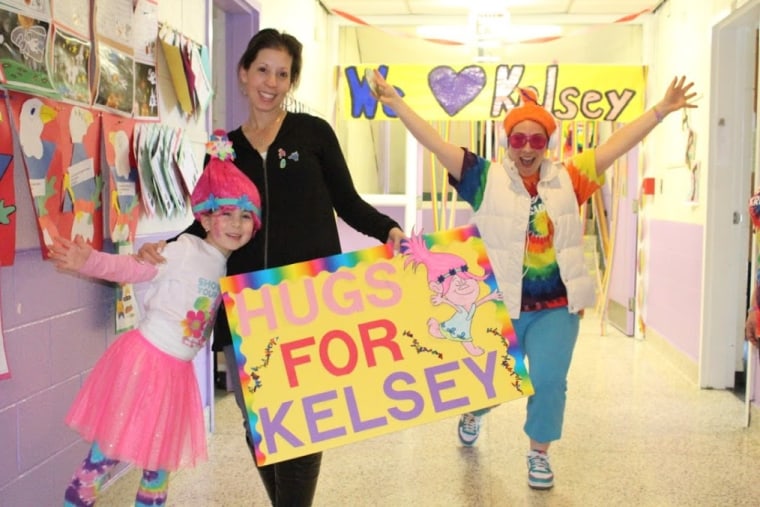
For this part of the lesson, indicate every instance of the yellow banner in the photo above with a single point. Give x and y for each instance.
(486, 91)
(357, 345)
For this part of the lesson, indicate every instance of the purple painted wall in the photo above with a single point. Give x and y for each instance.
(241, 24)
(55, 327)
(674, 284)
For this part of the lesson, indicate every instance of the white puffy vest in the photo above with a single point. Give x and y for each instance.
(503, 222)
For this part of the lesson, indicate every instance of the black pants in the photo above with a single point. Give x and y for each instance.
(289, 483)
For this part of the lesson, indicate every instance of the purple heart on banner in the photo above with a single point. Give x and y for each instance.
(454, 90)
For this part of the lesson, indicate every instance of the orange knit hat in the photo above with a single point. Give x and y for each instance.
(529, 109)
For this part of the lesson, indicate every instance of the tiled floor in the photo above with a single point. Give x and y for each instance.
(637, 433)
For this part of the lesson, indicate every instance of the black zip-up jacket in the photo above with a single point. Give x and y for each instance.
(305, 182)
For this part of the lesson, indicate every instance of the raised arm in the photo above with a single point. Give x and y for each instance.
(677, 96)
(450, 155)
(79, 257)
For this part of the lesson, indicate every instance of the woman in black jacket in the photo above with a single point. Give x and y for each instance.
(297, 164)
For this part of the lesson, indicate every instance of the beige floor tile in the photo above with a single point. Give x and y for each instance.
(637, 432)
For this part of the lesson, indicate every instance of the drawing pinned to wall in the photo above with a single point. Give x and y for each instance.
(690, 153)
(188, 65)
(74, 15)
(144, 43)
(115, 89)
(82, 180)
(146, 91)
(59, 145)
(38, 135)
(123, 207)
(161, 182)
(113, 33)
(39, 8)
(7, 192)
(113, 20)
(145, 29)
(124, 203)
(23, 52)
(70, 66)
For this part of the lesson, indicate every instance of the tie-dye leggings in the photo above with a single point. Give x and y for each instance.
(96, 467)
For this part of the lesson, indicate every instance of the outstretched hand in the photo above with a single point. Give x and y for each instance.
(384, 92)
(677, 96)
(69, 255)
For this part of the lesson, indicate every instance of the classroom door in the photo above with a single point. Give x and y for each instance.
(621, 292)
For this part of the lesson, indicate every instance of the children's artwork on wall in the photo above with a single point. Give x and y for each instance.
(113, 29)
(356, 345)
(123, 206)
(145, 39)
(146, 92)
(7, 192)
(163, 188)
(70, 67)
(24, 45)
(189, 69)
(38, 135)
(124, 200)
(115, 87)
(73, 14)
(145, 35)
(82, 180)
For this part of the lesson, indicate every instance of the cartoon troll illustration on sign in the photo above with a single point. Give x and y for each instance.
(451, 282)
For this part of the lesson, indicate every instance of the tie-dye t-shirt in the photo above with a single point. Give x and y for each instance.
(542, 286)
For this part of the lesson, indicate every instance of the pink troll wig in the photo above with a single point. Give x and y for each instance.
(441, 266)
(223, 185)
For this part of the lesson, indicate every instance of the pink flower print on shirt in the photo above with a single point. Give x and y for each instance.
(194, 323)
(193, 326)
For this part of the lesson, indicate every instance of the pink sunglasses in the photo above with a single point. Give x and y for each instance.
(519, 140)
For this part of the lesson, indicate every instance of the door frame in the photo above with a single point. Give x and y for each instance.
(732, 139)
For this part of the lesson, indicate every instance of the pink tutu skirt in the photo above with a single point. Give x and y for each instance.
(142, 406)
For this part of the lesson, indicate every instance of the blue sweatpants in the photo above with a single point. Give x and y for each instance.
(547, 338)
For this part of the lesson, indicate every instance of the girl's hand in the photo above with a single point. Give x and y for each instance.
(69, 255)
(151, 253)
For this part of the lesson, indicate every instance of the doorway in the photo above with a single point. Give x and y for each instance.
(731, 165)
(233, 24)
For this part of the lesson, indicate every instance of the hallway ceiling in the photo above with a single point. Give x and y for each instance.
(575, 11)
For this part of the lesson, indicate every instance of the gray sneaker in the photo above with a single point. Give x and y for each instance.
(469, 428)
(540, 474)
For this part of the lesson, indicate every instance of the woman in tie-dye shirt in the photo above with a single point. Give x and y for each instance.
(527, 210)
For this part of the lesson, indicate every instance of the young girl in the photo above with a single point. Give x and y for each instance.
(141, 402)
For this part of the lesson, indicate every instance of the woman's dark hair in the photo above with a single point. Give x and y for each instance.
(269, 38)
